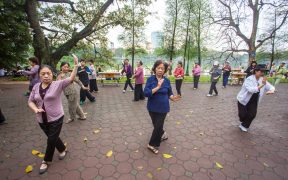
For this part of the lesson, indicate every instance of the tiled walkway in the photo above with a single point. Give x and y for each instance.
(202, 131)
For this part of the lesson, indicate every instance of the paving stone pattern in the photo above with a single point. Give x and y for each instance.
(202, 131)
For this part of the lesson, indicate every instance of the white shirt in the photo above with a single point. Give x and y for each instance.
(250, 87)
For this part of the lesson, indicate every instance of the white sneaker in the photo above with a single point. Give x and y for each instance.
(209, 95)
(124, 91)
(243, 128)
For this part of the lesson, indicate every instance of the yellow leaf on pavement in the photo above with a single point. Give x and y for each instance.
(109, 153)
(159, 169)
(96, 131)
(178, 122)
(218, 165)
(29, 169)
(265, 164)
(201, 134)
(167, 156)
(140, 167)
(85, 139)
(41, 155)
(35, 152)
(174, 147)
(149, 175)
(65, 144)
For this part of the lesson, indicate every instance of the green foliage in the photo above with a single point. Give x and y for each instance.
(14, 33)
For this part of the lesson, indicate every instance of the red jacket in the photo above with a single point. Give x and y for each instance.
(179, 71)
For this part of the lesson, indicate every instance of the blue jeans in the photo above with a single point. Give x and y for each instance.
(225, 80)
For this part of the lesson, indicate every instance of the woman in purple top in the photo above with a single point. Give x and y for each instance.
(196, 75)
(139, 81)
(33, 73)
(45, 101)
(127, 69)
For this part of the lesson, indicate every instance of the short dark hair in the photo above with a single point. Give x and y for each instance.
(91, 60)
(180, 62)
(34, 60)
(64, 63)
(157, 63)
(81, 60)
(45, 66)
(126, 59)
(141, 63)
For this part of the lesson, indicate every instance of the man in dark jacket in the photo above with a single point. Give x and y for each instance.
(250, 69)
(83, 72)
(2, 118)
(127, 69)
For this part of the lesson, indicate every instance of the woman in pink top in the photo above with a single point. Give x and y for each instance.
(179, 75)
(45, 101)
(196, 75)
(139, 81)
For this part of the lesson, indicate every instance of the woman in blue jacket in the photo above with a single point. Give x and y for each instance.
(158, 90)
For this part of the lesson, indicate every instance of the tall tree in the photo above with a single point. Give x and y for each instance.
(58, 25)
(233, 17)
(14, 33)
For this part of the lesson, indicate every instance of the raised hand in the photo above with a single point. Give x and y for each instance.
(270, 92)
(75, 59)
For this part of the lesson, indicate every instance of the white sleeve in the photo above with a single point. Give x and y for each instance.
(248, 84)
(269, 87)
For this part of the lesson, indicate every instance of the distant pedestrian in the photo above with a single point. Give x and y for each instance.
(250, 69)
(71, 94)
(83, 72)
(280, 72)
(196, 75)
(226, 73)
(45, 101)
(158, 90)
(215, 76)
(93, 77)
(32, 73)
(127, 69)
(179, 75)
(250, 95)
(139, 81)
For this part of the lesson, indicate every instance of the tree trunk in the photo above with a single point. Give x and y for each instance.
(186, 38)
(40, 43)
(174, 29)
(199, 34)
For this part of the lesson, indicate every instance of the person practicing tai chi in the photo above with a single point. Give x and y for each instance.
(179, 75)
(139, 81)
(215, 76)
(158, 90)
(71, 93)
(127, 69)
(196, 75)
(254, 87)
(45, 102)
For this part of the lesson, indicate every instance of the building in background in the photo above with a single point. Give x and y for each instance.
(157, 39)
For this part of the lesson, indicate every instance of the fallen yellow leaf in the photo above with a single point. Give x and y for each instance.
(265, 164)
(167, 156)
(137, 151)
(149, 175)
(178, 122)
(109, 153)
(35, 152)
(195, 148)
(41, 155)
(65, 144)
(96, 131)
(29, 169)
(85, 139)
(174, 147)
(140, 167)
(201, 134)
(246, 156)
(218, 165)
(159, 169)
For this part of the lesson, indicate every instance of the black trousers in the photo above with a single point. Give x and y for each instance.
(86, 93)
(2, 118)
(93, 85)
(52, 130)
(178, 83)
(196, 81)
(128, 82)
(158, 123)
(213, 88)
(138, 93)
(247, 113)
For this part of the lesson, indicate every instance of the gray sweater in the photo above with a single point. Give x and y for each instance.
(215, 72)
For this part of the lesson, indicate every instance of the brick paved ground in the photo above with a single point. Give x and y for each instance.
(201, 131)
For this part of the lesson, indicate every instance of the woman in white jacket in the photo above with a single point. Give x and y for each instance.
(254, 87)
